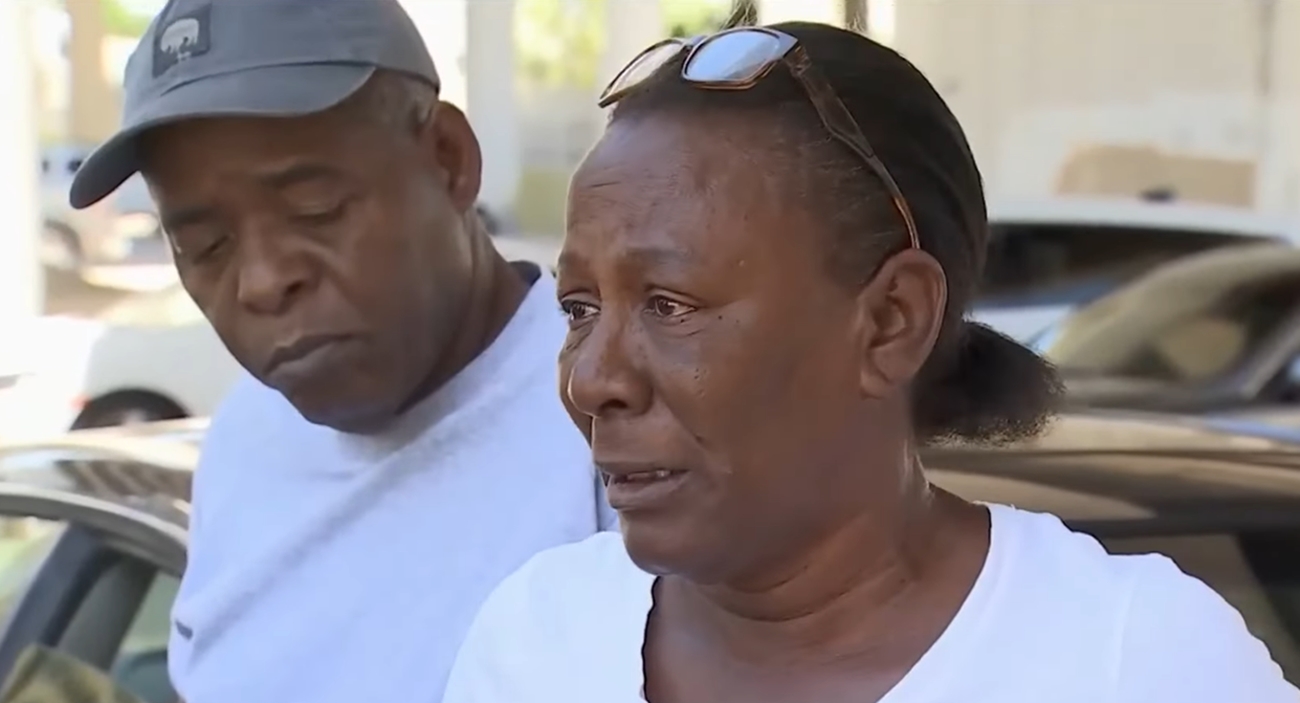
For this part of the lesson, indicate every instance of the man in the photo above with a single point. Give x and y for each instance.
(399, 445)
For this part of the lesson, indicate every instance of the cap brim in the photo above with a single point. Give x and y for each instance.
(278, 91)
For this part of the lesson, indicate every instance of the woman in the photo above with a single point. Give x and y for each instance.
(766, 324)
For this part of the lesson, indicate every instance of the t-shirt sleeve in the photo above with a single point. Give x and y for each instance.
(1182, 642)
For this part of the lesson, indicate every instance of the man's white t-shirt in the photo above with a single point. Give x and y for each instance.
(1052, 618)
(334, 568)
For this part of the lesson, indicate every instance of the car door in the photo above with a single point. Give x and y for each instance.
(91, 580)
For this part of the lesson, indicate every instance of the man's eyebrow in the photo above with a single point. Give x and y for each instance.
(298, 174)
(173, 220)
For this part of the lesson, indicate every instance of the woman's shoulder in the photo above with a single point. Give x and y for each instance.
(1163, 630)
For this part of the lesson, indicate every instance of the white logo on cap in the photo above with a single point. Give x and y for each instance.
(180, 38)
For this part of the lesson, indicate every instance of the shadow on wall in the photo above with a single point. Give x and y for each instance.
(1113, 170)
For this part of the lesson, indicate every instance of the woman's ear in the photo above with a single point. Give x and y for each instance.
(900, 313)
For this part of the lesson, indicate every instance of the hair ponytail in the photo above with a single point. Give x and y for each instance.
(988, 390)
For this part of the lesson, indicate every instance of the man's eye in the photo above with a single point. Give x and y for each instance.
(198, 251)
(667, 307)
(211, 249)
(322, 216)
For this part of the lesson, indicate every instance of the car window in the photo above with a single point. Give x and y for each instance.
(24, 544)
(117, 621)
(1072, 264)
(1185, 326)
(141, 664)
(1258, 574)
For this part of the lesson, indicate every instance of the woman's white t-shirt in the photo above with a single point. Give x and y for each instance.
(1052, 617)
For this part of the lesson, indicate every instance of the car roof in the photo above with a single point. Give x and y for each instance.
(1101, 470)
(1128, 212)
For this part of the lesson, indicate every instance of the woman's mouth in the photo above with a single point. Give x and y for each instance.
(642, 489)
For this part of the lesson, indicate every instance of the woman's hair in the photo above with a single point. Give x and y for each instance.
(977, 385)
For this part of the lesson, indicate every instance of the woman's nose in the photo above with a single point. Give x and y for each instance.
(606, 373)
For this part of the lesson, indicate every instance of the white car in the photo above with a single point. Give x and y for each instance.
(1048, 257)
(152, 356)
(105, 233)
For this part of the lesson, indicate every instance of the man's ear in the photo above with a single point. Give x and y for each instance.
(900, 314)
(450, 141)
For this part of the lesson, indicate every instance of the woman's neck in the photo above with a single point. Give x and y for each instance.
(837, 596)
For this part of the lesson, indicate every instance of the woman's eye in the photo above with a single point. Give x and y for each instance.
(666, 307)
(576, 310)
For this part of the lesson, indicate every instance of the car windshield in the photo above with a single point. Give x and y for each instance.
(167, 307)
(1190, 322)
(1048, 264)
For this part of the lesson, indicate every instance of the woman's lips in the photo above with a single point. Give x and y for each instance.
(642, 488)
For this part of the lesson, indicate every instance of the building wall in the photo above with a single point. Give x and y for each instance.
(1118, 96)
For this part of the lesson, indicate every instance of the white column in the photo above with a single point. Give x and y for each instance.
(491, 100)
(827, 11)
(881, 19)
(472, 44)
(444, 25)
(93, 108)
(22, 290)
(630, 26)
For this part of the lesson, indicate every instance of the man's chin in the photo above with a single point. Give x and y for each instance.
(349, 415)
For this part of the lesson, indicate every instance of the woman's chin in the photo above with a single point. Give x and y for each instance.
(666, 549)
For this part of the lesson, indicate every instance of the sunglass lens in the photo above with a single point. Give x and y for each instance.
(645, 66)
(732, 57)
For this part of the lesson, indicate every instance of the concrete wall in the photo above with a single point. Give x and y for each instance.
(1117, 96)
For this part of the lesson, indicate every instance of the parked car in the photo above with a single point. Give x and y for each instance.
(106, 233)
(152, 356)
(94, 523)
(1213, 333)
(1047, 257)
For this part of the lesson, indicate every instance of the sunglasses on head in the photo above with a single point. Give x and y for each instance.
(737, 59)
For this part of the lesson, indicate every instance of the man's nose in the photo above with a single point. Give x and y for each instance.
(607, 375)
(272, 272)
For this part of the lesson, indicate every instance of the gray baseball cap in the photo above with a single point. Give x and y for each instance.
(249, 58)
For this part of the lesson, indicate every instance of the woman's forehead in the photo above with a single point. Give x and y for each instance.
(674, 166)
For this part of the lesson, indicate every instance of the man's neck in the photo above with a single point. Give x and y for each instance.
(491, 306)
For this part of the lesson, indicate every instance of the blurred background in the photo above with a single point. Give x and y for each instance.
(1115, 137)
(1142, 166)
